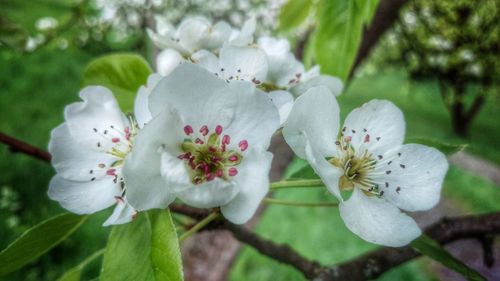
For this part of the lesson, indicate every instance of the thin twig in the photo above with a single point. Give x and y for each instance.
(200, 225)
(297, 184)
(299, 203)
(16, 145)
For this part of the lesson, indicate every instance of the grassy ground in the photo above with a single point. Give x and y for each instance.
(34, 90)
(321, 235)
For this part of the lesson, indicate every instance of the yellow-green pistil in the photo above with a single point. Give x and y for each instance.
(356, 168)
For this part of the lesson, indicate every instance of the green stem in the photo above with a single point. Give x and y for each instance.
(199, 226)
(299, 204)
(297, 183)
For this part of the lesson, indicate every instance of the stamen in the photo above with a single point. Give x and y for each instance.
(232, 172)
(204, 130)
(188, 130)
(115, 140)
(367, 138)
(226, 139)
(243, 145)
(219, 173)
(218, 130)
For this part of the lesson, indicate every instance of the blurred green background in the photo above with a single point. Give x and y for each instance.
(35, 86)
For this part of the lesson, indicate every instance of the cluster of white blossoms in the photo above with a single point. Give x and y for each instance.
(201, 129)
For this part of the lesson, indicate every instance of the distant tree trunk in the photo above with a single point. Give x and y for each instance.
(461, 117)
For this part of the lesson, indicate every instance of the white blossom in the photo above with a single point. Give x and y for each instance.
(193, 34)
(206, 143)
(89, 150)
(369, 159)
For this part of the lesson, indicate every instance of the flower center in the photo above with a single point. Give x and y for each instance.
(209, 156)
(357, 167)
(122, 142)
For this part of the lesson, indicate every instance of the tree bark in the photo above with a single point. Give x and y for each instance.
(461, 117)
(385, 16)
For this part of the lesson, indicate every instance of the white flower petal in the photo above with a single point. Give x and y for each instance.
(166, 41)
(202, 98)
(283, 101)
(174, 172)
(141, 107)
(378, 126)
(316, 113)
(90, 121)
(243, 63)
(217, 35)
(279, 58)
(287, 73)
(123, 213)
(274, 47)
(256, 118)
(207, 60)
(245, 36)
(334, 84)
(378, 221)
(210, 194)
(71, 160)
(328, 173)
(253, 183)
(415, 179)
(146, 189)
(167, 60)
(84, 197)
(163, 26)
(192, 31)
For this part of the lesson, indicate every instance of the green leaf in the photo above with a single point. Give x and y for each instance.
(293, 13)
(431, 248)
(338, 36)
(37, 240)
(145, 249)
(446, 148)
(121, 73)
(75, 273)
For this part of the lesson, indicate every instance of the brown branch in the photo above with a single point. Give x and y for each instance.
(386, 14)
(368, 266)
(279, 252)
(375, 263)
(16, 145)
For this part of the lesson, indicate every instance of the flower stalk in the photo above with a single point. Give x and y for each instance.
(296, 184)
(299, 204)
(204, 222)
